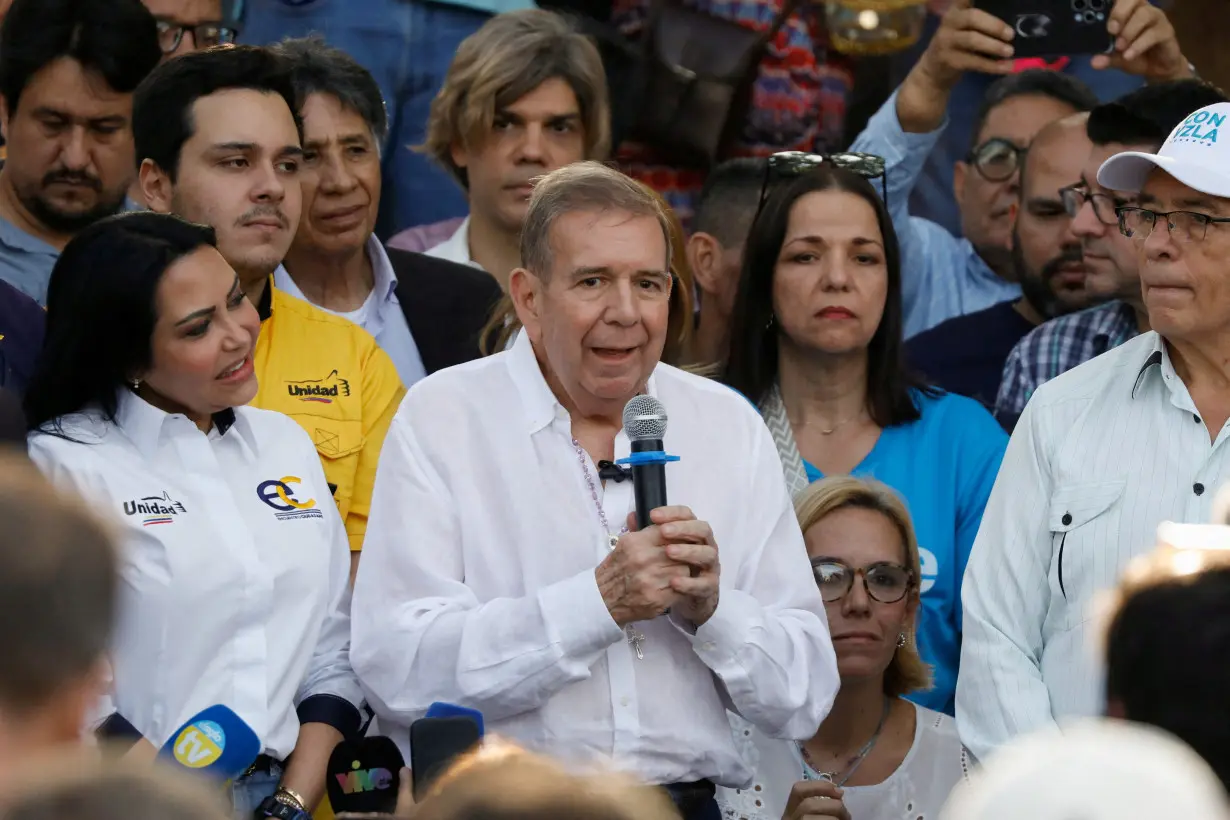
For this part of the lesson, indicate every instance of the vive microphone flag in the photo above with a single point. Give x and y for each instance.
(364, 776)
(215, 741)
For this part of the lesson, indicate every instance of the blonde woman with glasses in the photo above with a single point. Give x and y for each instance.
(876, 756)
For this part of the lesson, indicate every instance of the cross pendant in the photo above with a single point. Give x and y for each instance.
(636, 639)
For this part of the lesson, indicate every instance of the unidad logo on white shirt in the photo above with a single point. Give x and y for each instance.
(155, 509)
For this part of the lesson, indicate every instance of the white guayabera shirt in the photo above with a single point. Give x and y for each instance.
(1101, 456)
(477, 580)
(234, 566)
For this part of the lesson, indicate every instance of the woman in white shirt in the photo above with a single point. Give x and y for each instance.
(876, 756)
(234, 560)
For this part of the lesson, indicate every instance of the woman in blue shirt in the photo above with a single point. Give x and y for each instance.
(817, 344)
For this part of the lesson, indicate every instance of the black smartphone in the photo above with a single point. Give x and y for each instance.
(1054, 28)
(435, 743)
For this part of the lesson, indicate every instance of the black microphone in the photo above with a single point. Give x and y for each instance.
(645, 424)
(364, 775)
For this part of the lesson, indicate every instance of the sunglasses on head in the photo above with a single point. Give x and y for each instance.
(792, 164)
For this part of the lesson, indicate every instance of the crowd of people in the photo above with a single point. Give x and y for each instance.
(319, 343)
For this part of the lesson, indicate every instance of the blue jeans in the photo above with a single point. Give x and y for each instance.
(407, 45)
(248, 793)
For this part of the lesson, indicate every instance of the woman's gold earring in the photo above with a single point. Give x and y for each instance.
(901, 640)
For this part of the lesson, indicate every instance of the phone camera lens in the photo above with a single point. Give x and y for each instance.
(1080, 5)
(1090, 17)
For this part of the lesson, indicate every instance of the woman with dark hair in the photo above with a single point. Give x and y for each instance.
(234, 560)
(816, 343)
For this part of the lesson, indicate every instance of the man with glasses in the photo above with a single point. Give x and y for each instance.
(1048, 267)
(944, 275)
(1106, 452)
(185, 26)
(1139, 121)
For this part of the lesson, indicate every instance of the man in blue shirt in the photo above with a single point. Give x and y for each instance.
(947, 276)
(67, 73)
(966, 354)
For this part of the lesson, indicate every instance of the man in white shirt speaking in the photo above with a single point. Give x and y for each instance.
(1106, 452)
(496, 572)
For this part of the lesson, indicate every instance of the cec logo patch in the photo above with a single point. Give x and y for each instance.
(322, 391)
(200, 744)
(279, 495)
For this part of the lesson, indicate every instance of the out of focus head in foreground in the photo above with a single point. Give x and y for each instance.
(57, 598)
(1168, 637)
(1096, 769)
(82, 786)
(502, 782)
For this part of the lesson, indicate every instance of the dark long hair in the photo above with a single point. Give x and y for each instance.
(101, 312)
(752, 368)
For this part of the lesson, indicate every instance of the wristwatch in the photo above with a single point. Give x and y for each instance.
(284, 805)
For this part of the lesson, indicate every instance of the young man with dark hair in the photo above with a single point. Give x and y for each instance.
(1139, 121)
(720, 226)
(220, 143)
(947, 276)
(67, 72)
(58, 581)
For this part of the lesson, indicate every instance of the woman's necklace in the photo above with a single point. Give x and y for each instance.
(837, 426)
(635, 637)
(839, 778)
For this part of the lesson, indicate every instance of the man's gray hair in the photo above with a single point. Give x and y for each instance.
(318, 68)
(583, 186)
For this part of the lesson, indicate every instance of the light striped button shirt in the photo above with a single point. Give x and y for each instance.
(1101, 456)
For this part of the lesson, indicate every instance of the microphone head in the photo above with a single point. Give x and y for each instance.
(364, 775)
(644, 418)
(214, 741)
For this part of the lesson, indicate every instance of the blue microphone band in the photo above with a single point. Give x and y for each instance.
(647, 457)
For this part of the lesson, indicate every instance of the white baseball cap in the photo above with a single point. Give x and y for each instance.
(1197, 153)
(1095, 769)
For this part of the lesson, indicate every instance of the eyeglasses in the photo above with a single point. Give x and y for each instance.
(884, 581)
(790, 164)
(1184, 226)
(997, 159)
(1074, 198)
(171, 34)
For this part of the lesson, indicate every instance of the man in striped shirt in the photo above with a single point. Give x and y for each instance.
(1138, 121)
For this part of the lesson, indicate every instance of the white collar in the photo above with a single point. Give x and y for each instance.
(384, 278)
(540, 403)
(457, 247)
(142, 423)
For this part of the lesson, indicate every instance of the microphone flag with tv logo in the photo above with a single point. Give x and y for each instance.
(364, 775)
(215, 741)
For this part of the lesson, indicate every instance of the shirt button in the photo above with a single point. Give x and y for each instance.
(1198, 488)
(623, 701)
(1195, 418)
(1067, 519)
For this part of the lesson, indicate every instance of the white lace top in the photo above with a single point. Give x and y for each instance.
(916, 791)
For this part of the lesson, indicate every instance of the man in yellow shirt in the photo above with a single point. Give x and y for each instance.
(219, 143)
